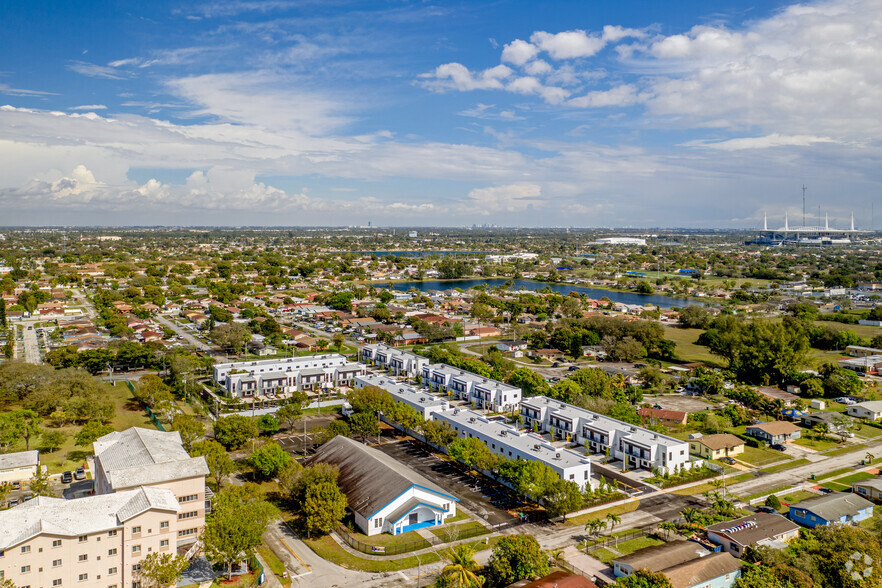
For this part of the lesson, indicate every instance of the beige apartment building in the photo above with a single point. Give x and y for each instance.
(97, 541)
(139, 457)
(150, 496)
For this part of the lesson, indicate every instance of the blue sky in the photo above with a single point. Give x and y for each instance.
(331, 112)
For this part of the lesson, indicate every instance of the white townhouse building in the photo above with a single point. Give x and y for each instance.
(420, 400)
(507, 441)
(482, 392)
(635, 446)
(278, 376)
(398, 361)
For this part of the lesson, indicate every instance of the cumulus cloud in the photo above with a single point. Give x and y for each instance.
(624, 95)
(89, 107)
(519, 52)
(455, 76)
(568, 44)
(773, 140)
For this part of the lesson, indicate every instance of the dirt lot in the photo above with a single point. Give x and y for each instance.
(488, 501)
(682, 402)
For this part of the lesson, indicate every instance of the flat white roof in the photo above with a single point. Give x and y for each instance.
(458, 374)
(529, 444)
(20, 459)
(282, 361)
(403, 392)
(572, 413)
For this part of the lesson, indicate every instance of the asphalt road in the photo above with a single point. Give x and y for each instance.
(31, 348)
(183, 333)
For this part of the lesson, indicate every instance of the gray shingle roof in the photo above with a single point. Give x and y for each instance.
(660, 557)
(701, 570)
(137, 457)
(81, 516)
(369, 478)
(832, 507)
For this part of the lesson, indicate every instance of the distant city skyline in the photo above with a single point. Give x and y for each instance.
(513, 113)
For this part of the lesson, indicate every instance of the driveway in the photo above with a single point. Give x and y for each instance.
(183, 333)
(478, 495)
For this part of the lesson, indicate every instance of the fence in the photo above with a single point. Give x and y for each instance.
(147, 408)
(451, 535)
(255, 566)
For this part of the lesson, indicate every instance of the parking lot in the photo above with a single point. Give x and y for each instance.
(479, 495)
(682, 403)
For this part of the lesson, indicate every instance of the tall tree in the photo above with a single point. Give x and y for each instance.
(644, 579)
(515, 558)
(163, 570)
(236, 524)
(324, 506)
(364, 425)
(189, 428)
(219, 463)
(90, 432)
(234, 431)
(270, 459)
(40, 482)
(461, 569)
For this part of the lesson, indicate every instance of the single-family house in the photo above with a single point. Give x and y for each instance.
(761, 528)
(831, 508)
(870, 488)
(835, 421)
(774, 432)
(685, 563)
(383, 494)
(512, 345)
(659, 416)
(716, 446)
(776, 394)
(871, 410)
(557, 579)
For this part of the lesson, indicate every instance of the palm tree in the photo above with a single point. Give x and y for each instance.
(614, 520)
(554, 556)
(690, 515)
(460, 572)
(668, 527)
(595, 526)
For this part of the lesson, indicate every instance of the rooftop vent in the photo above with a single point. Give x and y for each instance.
(471, 419)
(557, 455)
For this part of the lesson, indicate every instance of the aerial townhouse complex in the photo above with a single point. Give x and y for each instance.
(150, 496)
(510, 443)
(270, 377)
(635, 446)
(482, 392)
(424, 403)
(397, 361)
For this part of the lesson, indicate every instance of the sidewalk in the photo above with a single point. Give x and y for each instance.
(271, 580)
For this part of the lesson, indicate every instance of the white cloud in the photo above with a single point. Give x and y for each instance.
(531, 85)
(489, 112)
(5, 89)
(613, 34)
(568, 44)
(89, 107)
(505, 198)
(773, 140)
(538, 67)
(455, 76)
(625, 95)
(97, 71)
(519, 52)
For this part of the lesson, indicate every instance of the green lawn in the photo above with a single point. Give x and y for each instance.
(702, 488)
(785, 466)
(274, 563)
(855, 477)
(795, 497)
(761, 456)
(453, 532)
(413, 538)
(687, 349)
(129, 413)
(836, 486)
(850, 448)
(764, 493)
(579, 521)
(868, 431)
(813, 441)
(626, 548)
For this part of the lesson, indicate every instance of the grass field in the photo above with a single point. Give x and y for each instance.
(855, 478)
(579, 521)
(626, 548)
(388, 540)
(274, 563)
(688, 350)
(129, 413)
(702, 488)
(761, 456)
(813, 441)
(847, 449)
(794, 498)
(451, 533)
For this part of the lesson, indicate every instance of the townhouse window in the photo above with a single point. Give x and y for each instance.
(111, 571)
(136, 584)
(56, 563)
(186, 532)
(25, 548)
(163, 543)
(112, 586)
(188, 498)
(56, 543)
(111, 533)
(136, 549)
(188, 515)
(136, 530)
(586, 474)
(111, 552)
(25, 569)
(56, 582)
(572, 476)
(82, 538)
(84, 557)
(136, 568)
(163, 525)
(84, 577)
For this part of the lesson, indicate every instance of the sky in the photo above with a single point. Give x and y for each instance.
(584, 113)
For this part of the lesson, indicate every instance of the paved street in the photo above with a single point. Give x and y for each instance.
(183, 333)
(31, 348)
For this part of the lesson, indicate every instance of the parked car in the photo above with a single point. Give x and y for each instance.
(777, 447)
(555, 364)
(572, 368)
(16, 485)
(13, 502)
(66, 477)
(767, 509)
(727, 460)
(80, 473)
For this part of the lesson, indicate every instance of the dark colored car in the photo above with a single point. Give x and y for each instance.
(80, 473)
(777, 447)
(66, 478)
(727, 460)
(555, 364)
(767, 509)
(573, 368)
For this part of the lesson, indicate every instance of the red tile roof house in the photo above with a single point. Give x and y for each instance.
(665, 417)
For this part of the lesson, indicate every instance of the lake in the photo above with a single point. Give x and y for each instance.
(659, 300)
